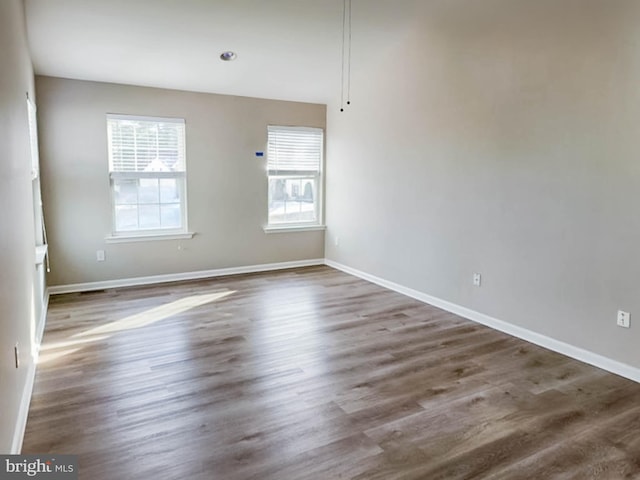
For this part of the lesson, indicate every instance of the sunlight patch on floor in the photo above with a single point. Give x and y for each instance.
(70, 343)
(56, 350)
(154, 315)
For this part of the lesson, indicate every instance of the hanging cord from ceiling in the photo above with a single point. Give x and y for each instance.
(346, 54)
(349, 61)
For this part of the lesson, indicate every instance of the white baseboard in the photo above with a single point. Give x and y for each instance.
(25, 402)
(27, 391)
(174, 277)
(558, 346)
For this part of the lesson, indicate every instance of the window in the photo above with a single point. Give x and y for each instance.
(294, 158)
(147, 171)
(38, 223)
(38, 215)
(33, 139)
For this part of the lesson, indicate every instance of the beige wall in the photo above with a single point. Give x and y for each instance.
(227, 187)
(501, 137)
(18, 275)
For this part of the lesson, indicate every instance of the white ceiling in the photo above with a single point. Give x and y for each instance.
(287, 49)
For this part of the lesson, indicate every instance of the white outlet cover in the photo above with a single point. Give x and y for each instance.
(624, 319)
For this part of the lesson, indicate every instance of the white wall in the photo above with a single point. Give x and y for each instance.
(19, 309)
(501, 137)
(227, 187)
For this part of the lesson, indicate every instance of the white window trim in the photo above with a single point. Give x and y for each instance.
(290, 228)
(156, 235)
(143, 118)
(318, 223)
(33, 138)
(142, 235)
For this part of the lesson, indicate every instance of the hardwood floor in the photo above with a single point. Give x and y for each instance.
(314, 374)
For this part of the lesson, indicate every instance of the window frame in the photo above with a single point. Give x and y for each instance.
(180, 177)
(316, 175)
(40, 232)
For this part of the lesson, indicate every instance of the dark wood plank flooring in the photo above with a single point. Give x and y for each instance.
(315, 374)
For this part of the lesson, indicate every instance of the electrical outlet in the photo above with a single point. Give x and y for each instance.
(337, 240)
(16, 354)
(624, 319)
(477, 278)
(100, 255)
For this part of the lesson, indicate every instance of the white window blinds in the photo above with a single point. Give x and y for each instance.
(139, 144)
(294, 150)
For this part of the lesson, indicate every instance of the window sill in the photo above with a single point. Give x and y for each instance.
(41, 252)
(294, 228)
(148, 238)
